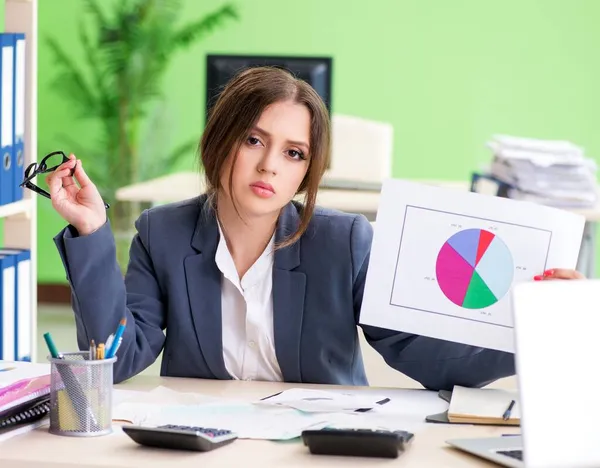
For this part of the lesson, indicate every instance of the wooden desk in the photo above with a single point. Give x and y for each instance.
(41, 449)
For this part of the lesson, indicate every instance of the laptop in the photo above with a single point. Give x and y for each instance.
(557, 344)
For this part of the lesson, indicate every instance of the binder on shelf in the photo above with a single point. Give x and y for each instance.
(7, 301)
(22, 309)
(19, 116)
(6, 116)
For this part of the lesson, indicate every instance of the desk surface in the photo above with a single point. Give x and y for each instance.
(184, 185)
(41, 449)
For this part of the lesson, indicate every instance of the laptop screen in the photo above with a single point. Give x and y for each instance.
(557, 342)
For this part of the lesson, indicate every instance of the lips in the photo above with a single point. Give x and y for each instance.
(263, 186)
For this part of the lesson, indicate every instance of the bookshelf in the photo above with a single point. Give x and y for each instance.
(20, 218)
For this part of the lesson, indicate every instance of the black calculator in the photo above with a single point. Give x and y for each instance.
(357, 442)
(171, 436)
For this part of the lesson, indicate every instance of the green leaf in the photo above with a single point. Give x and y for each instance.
(197, 29)
(127, 51)
(94, 10)
(99, 75)
(70, 81)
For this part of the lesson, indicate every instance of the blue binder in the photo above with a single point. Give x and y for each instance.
(7, 302)
(22, 312)
(19, 116)
(7, 95)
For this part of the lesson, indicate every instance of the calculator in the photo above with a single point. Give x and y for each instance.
(357, 442)
(171, 436)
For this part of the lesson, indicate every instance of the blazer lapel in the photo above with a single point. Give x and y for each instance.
(288, 298)
(203, 280)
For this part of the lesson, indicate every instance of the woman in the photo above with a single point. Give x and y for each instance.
(248, 283)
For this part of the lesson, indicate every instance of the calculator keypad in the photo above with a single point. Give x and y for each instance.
(207, 431)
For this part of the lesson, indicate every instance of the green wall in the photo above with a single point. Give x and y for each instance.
(446, 74)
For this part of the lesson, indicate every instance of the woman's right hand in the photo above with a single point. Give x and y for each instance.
(80, 205)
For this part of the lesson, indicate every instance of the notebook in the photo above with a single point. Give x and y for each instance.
(23, 394)
(33, 413)
(478, 406)
(24, 405)
(483, 406)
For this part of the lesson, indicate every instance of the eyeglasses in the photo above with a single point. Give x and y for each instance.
(49, 163)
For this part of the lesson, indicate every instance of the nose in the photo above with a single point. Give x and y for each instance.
(268, 163)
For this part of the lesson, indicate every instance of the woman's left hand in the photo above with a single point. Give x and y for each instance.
(559, 273)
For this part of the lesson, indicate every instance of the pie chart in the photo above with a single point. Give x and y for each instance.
(474, 268)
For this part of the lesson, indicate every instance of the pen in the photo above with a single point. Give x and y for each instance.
(109, 341)
(115, 342)
(118, 344)
(93, 350)
(52, 347)
(506, 414)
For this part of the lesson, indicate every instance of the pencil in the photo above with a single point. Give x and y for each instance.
(100, 351)
(506, 414)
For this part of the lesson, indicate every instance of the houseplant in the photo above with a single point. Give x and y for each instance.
(128, 50)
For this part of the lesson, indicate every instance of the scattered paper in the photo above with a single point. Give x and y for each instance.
(248, 421)
(164, 395)
(137, 406)
(443, 261)
(406, 410)
(310, 400)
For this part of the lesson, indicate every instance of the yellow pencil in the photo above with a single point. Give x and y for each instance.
(100, 352)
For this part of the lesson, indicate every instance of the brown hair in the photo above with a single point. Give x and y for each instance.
(236, 112)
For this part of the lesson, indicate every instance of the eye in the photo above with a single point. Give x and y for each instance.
(295, 154)
(253, 141)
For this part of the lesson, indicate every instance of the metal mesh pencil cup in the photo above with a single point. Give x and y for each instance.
(81, 392)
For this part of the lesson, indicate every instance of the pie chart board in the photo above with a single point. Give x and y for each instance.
(474, 268)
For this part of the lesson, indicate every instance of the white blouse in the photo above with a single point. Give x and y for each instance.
(247, 316)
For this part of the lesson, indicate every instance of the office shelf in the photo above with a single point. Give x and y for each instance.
(22, 207)
(20, 218)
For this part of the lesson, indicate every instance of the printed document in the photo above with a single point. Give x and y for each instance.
(443, 261)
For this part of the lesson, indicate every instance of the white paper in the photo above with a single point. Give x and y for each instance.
(138, 406)
(406, 410)
(310, 400)
(418, 283)
(248, 421)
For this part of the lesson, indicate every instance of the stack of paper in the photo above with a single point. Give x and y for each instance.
(483, 406)
(550, 172)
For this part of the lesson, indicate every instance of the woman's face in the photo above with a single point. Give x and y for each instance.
(272, 161)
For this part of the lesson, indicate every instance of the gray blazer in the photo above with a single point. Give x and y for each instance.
(172, 283)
